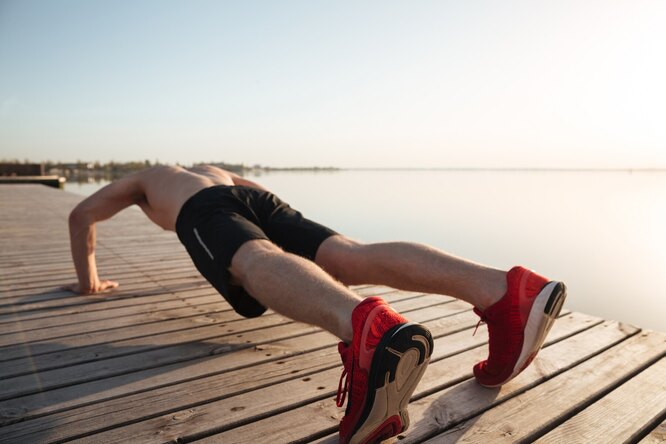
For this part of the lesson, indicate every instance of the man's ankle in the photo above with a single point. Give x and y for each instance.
(493, 292)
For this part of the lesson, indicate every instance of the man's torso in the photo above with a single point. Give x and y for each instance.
(167, 188)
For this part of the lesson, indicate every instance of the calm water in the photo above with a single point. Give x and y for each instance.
(601, 232)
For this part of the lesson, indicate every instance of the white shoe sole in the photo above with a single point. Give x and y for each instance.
(398, 364)
(546, 308)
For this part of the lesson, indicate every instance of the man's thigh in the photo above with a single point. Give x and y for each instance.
(290, 230)
(342, 258)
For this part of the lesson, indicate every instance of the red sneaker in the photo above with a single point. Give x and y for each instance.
(384, 363)
(518, 324)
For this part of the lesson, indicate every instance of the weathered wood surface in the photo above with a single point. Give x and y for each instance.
(165, 359)
(51, 181)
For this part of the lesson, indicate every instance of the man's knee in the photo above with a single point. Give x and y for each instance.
(342, 258)
(249, 256)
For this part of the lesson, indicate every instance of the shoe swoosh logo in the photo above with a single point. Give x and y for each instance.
(365, 355)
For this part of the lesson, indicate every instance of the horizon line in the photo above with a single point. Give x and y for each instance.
(377, 168)
(583, 169)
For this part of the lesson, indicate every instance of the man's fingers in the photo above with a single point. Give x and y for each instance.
(108, 285)
(103, 285)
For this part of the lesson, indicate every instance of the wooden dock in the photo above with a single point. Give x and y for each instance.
(51, 181)
(165, 359)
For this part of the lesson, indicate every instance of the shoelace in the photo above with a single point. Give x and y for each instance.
(482, 320)
(342, 392)
(345, 352)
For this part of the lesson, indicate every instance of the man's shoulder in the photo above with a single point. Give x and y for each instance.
(153, 172)
(156, 169)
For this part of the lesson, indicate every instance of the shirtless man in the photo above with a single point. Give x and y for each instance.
(260, 253)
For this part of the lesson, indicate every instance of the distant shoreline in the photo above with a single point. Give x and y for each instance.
(517, 169)
(98, 176)
(95, 171)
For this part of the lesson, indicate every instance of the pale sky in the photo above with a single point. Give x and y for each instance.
(336, 83)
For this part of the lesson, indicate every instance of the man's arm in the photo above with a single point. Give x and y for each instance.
(97, 207)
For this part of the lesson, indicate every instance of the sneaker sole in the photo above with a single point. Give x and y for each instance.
(545, 309)
(398, 363)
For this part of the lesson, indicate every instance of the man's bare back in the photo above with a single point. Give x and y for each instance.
(161, 191)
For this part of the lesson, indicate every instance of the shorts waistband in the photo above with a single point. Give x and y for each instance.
(192, 200)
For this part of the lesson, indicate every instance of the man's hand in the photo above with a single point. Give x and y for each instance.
(98, 287)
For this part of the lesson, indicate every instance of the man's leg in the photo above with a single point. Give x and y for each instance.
(411, 267)
(519, 307)
(295, 287)
(377, 341)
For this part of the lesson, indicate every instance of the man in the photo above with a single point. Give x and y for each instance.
(259, 253)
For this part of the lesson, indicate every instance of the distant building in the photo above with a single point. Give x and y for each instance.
(21, 169)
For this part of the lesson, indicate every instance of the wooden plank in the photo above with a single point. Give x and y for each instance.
(57, 323)
(114, 314)
(59, 298)
(43, 278)
(609, 418)
(33, 273)
(51, 181)
(57, 255)
(295, 372)
(169, 374)
(450, 406)
(103, 309)
(108, 343)
(259, 403)
(159, 350)
(143, 341)
(536, 411)
(40, 281)
(66, 300)
(202, 342)
(656, 436)
(325, 415)
(23, 235)
(109, 330)
(40, 355)
(140, 294)
(56, 293)
(156, 334)
(112, 247)
(126, 410)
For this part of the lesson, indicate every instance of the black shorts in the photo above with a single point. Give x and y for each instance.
(216, 221)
